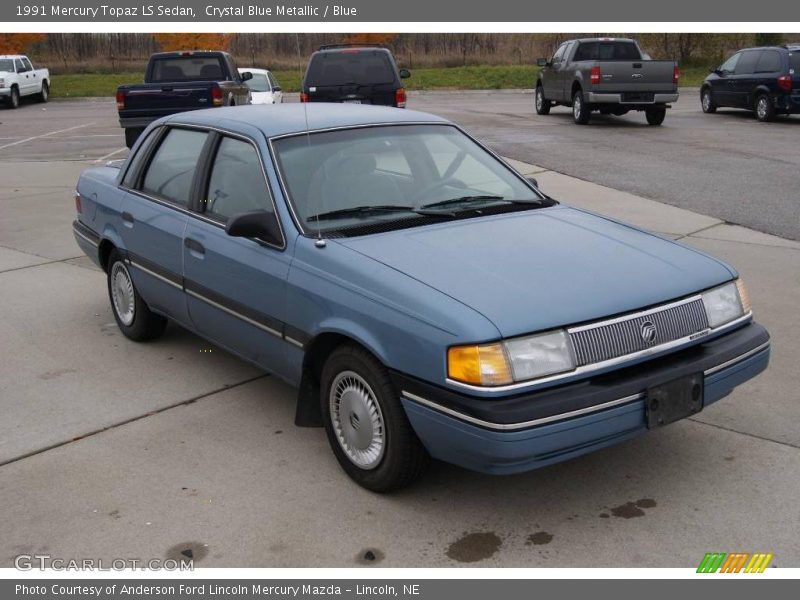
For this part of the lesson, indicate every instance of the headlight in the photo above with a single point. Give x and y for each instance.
(726, 303)
(513, 360)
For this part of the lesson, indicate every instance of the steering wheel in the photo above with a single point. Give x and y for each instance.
(432, 187)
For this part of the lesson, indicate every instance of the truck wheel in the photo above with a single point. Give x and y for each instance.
(44, 95)
(765, 112)
(707, 101)
(13, 98)
(580, 110)
(366, 425)
(542, 104)
(655, 115)
(136, 321)
(131, 135)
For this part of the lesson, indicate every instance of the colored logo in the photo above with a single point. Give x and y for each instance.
(736, 562)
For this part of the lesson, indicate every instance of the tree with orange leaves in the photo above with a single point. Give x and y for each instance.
(18, 43)
(168, 42)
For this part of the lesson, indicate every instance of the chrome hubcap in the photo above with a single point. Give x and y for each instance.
(762, 108)
(122, 293)
(706, 100)
(357, 420)
(539, 98)
(576, 106)
(44, 92)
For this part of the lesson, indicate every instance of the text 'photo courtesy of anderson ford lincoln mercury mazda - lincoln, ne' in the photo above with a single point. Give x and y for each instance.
(426, 299)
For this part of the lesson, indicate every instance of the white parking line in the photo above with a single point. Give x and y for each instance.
(36, 137)
(110, 154)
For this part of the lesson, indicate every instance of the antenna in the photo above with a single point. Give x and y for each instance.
(320, 242)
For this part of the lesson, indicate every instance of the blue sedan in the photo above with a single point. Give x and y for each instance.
(425, 299)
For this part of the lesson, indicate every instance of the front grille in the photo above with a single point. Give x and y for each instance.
(604, 342)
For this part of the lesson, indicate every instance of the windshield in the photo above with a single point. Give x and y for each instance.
(405, 171)
(349, 67)
(259, 83)
(187, 68)
(6, 65)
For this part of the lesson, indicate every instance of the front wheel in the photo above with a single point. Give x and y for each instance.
(133, 316)
(707, 102)
(13, 98)
(542, 104)
(655, 116)
(765, 112)
(366, 425)
(580, 110)
(44, 95)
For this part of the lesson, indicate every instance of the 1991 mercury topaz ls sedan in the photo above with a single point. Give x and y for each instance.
(425, 298)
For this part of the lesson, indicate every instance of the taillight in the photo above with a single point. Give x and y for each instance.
(120, 100)
(594, 75)
(676, 74)
(785, 83)
(303, 97)
(216, 96)
(78, 202)
(400, 98)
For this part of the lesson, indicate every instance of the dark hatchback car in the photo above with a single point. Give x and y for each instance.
(354, 74)
(764, 80)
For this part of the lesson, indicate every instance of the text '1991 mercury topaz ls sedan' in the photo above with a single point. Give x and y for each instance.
(425, 298)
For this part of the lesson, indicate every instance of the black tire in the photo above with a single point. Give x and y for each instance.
(707, 101)
(655, 116)
(402, 458)
(44, 95)
(580, 110)
(541, 103)
(142, 324)
(131, 135)
(13, 98)
(765, 111)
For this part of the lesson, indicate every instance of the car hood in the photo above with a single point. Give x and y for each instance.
(535, 270)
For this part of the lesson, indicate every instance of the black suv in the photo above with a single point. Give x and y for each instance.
(355, 74)
(764, 80)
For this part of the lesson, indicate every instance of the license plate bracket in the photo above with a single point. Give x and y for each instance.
(674, 400)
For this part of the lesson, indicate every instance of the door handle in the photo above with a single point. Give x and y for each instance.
(194, 246)
(127, 218)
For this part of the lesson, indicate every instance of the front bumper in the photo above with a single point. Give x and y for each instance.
(521, 433)
(601, 98)
(5, 91)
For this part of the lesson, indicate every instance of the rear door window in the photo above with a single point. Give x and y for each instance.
(171, 171)
(187, 68)
(770, 62)
(747, 63)
(350, 67)
(237, 182)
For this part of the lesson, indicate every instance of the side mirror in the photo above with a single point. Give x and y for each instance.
(259, 224)
(542, 62)
(277, 88)
(405, 73)
(246, 76)
(533, 181)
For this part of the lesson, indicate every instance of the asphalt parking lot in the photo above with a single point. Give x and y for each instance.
(110, 449)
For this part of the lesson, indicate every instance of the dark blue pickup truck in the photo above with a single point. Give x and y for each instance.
(177, 82)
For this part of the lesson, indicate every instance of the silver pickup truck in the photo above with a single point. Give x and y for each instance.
(609, 75)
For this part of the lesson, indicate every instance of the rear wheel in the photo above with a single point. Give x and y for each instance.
(131, 135)
(707, 101)
(655, 115)
(44, 95)
(765, 112)
(366, 425)
(133, 316)
(580, 110)
(542, 104)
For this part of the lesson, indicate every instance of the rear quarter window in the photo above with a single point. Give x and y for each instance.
(747, 63)
(794, 63)
(348, 67)
(769, 62)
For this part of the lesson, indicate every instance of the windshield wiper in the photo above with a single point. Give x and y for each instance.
(478, 198)
(342, 213)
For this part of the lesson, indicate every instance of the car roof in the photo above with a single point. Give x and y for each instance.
(606, 39)
(13, 56)
(349, 48)
(252, 70)
(281, 119)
